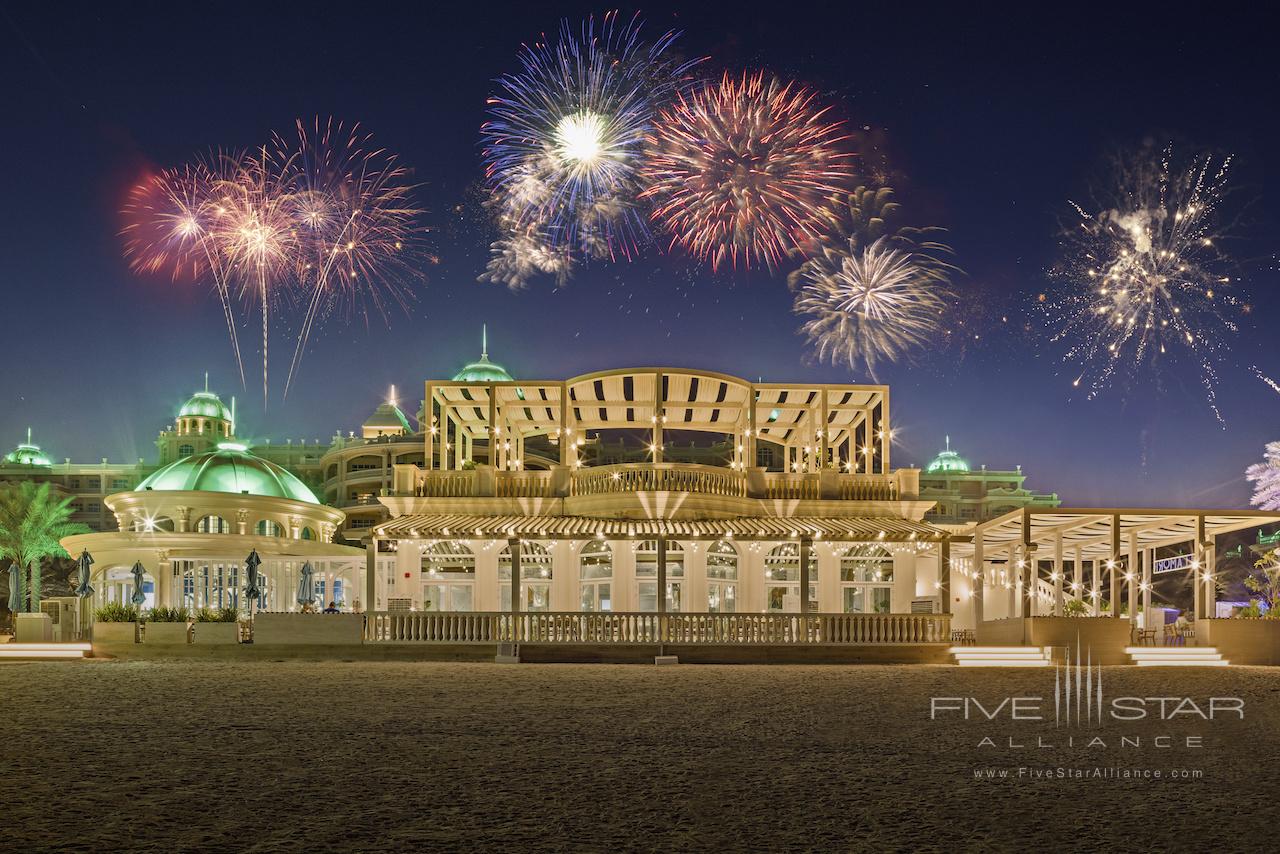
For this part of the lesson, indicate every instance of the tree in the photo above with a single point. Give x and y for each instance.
(31, 524)
(1266, 478)
(1267, 582)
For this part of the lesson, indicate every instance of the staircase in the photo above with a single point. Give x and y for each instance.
(1176, 656)
(1001, 656)
(43, 651)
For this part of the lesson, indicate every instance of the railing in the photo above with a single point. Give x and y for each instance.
(792, 486)
(868, 487)
(658, 477)
(523, 484)
(574, 627)
(447, 484)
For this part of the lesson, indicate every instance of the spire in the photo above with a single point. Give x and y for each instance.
(28, 435)
(392, 399)
(948, 443)
(206, 382)
(233, 413)
(484, 341)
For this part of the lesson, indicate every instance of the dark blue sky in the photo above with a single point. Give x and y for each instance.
(996, 117)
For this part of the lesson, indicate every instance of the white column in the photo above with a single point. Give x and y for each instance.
(487, 597)
(695, 576)
(1148, 567)
(1132, 582)
(830, 595)
(1058, 572)
(979, 581)
(408, 573)
(564, 576)
(624, 575)
(904, 581)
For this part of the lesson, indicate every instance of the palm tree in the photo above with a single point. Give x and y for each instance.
(31, 524)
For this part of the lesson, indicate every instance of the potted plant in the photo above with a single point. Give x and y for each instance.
(217, 626)
(166, 626)
(115, 622)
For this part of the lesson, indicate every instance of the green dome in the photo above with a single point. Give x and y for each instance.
(947, 460)
(482, 370)
(230, 468)
(204, 404)
(28, 454)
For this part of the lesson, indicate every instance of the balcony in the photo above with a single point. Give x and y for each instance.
(594, 487)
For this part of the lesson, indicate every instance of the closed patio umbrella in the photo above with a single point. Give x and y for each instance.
(138, 596)
(306, 587)
(15, 587)
(84, 561)
(251, 589)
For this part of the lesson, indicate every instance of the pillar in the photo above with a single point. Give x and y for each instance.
(806, 545)
(980, 578)
(1077, 574)
(944, 574)
(1210, 570)
(1131, 570)
(1058, 573)
(514, 545)
(1031, 576)
(1114, 566)
(371, 575)
(1148, 567)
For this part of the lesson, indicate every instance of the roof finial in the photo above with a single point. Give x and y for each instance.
(206, 382)
(484, 341)
(948, 444)
(28, 435)
(392, 400)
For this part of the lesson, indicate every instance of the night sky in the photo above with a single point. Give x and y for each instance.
(994, 118)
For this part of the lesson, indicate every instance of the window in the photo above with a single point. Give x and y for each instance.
(185, 451)
(448, 577)
(595, 571)
(360, 523)
(866, 579)
(782, 579)
(92, 507)
(308, 534)
(722, 577)
(647, 576)
(213, 525)
(119, 483)
(535, 577)
(268, 528)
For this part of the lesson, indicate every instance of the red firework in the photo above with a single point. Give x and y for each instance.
(743, 168)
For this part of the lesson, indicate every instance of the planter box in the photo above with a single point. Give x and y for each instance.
(206, 634)
(115, 632)
(1242, 641)
(170, 634)
(1104, 638)
(33, 628)
(309, 629)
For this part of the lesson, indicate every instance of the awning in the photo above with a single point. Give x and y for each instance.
(867, 529)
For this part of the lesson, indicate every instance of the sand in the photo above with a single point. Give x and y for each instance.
(316, 756)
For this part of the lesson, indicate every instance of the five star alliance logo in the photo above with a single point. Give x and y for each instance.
(1077, 689)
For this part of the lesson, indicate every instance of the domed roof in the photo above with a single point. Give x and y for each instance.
(482, 370)
(947, 460)
(28, 454)
(205, 404)
(387, 416)
(231, 468)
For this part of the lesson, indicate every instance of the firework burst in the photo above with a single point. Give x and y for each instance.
(354, 218)
(1144, 280)
(326, 219)
(741, 169)
(870, 304)
(563, 143)
(872, 289)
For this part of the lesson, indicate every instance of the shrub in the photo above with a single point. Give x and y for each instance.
(228, 614)
(115, 612)
(1075, 608)
(168, 615)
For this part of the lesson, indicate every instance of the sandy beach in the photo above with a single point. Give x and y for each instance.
(317, 756)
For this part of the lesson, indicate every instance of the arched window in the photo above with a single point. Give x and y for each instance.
(535, 577)
(782, 579)
(448, 576)
(595, 571)
(213, 525)
(722, 577)
(307, 534)
(647, 575)
(185, 451)
(268, 528)
(866, 579)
